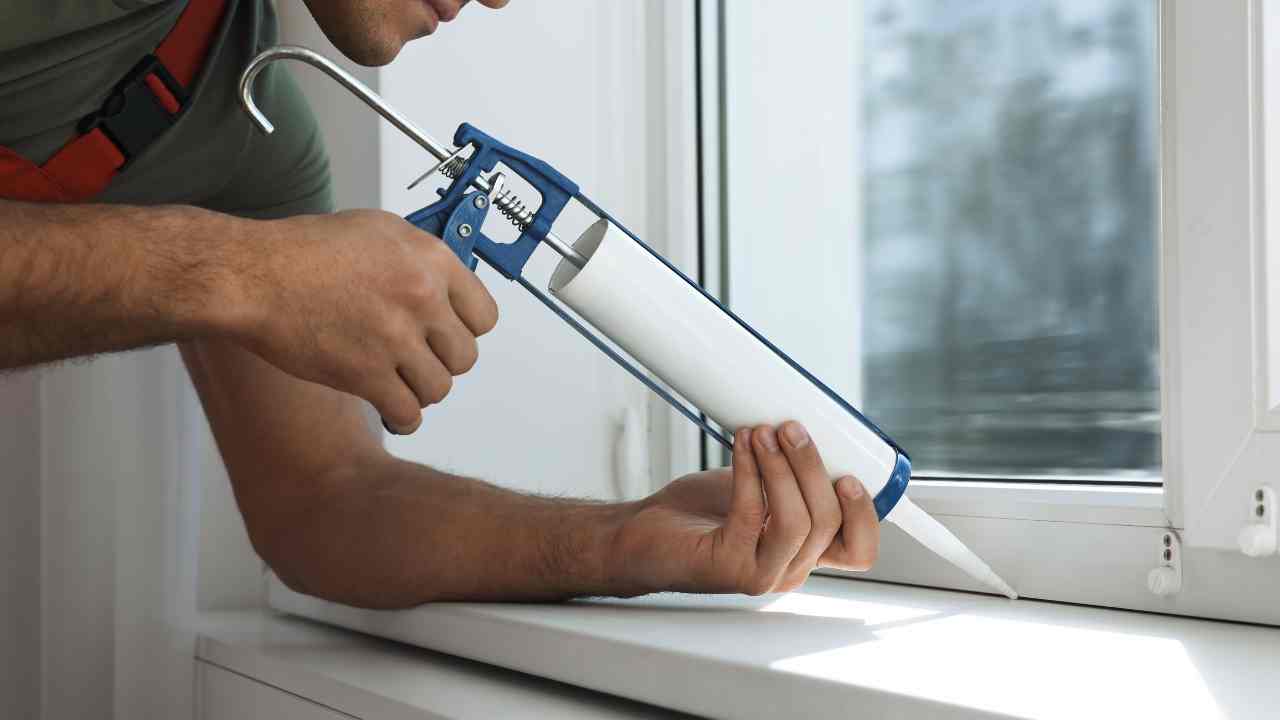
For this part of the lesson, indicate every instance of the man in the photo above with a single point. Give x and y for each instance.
(207, 234)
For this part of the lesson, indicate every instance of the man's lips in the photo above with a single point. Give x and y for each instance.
(439, 11)
(433, 18)
(447, 10)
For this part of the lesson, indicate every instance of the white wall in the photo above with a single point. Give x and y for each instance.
(118, 524)
(97, 527)
(19, 545)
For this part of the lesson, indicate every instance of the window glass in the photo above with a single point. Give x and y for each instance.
(1009, 235)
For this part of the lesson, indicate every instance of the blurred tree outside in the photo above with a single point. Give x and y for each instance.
(1010, 235)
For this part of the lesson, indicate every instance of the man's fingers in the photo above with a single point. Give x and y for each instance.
(456, 347)
(427, 377)
(746, 501)
(788, 523)
(472, 302)
(819, 498)
(859, 541)
(397, 404)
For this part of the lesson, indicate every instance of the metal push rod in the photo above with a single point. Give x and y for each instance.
(377, 104)
(692, 415)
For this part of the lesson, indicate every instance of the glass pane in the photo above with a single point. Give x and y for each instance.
(1010, 225)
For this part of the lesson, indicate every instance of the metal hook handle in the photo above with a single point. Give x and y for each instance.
(344, 78)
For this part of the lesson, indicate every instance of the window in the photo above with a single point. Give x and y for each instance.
(1028, 240)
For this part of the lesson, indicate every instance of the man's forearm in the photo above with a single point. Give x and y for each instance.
(390, 533)
(84, 279)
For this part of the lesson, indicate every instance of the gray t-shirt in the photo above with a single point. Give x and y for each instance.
(32, 22)
(60, 59)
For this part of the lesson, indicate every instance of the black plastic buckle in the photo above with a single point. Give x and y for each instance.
(132, 115)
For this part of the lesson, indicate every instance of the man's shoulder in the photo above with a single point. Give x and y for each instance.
(58, 58)
(31, 24)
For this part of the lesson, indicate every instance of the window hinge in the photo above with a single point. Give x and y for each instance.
(1258, 537)
(1166, 577)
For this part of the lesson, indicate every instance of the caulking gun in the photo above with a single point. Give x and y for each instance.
(650, 310)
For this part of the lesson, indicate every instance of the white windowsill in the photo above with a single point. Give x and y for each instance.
(840, 647)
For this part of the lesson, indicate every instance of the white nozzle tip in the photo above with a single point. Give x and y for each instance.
(987, 575)
(932, 534)
(1003, 587)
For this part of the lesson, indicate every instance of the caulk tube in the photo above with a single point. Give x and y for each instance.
(714, 361)
(730, 372)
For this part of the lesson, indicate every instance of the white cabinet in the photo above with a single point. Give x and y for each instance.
(259, 664)
(224, 695)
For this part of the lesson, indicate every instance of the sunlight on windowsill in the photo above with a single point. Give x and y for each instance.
(1041, 669)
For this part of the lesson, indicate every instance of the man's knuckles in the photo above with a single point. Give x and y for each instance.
(826, 523)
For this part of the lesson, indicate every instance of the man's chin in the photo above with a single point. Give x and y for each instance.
(371, 32)
(371, 52)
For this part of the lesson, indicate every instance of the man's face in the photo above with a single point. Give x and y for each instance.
(371, 32)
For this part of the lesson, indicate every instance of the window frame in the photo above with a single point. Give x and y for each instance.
(1083, 543)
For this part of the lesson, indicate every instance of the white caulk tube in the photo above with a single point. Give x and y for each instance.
(736, 378)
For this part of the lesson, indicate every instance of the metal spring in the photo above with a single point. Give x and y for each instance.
(453, 168)
(507, 202)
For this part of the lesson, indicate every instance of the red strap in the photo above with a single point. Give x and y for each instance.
(162, 93)
(85, 166)
(21, 179)
(184, 49)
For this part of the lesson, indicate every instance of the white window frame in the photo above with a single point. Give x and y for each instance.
(1219, 289)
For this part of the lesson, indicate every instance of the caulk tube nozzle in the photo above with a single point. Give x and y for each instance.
(892, 505)
(934, 535)
(728, 370)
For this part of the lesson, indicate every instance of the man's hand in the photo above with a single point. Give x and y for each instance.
(366, 303)
(762, 527)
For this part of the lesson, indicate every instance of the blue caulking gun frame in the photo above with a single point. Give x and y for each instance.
(457, 218)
